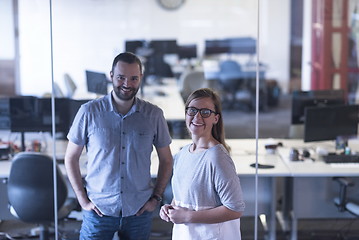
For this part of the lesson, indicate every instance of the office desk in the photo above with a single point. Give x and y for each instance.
(310, 190)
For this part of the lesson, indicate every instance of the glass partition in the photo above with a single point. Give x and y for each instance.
(255, 54)
(86, 36)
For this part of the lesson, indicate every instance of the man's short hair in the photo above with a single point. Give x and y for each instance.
(127, 57)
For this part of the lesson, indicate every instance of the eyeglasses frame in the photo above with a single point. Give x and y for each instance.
(200, 111)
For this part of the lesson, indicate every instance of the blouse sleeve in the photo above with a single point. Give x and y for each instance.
(226, 181)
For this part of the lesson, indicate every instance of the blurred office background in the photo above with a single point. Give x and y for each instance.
(302, 45)
(217, 40)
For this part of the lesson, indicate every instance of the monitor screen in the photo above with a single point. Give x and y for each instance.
(303, 99)
(164, 46)
(132, 46)
(96, 82)
(187, 51)
(61, 114)
(216, 47)
(25, 114)
(32, 114)
(328, 123)
(242, 45)
(4, 114)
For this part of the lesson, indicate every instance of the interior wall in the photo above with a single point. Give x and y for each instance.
(87, 34)
(307, 46)
(7, 64)
(7, 47)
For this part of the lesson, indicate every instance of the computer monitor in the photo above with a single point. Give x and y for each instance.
(213, 47)
(166, 46)
(61, 115)
(4, 114)
(132, 46)
(304, 99)
(25, 114)
(242, 45)
(96, 82)
(330, 122)
(187, 51)
(32, 114)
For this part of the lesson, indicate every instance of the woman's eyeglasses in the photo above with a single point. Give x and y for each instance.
(205, 112)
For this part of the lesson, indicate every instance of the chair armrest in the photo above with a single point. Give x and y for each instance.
(341, 200)
(344, 181)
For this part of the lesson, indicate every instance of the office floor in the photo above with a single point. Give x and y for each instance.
(273, 122)
(326, 229)
(238, 124)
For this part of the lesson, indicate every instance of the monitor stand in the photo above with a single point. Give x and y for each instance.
(23, 147)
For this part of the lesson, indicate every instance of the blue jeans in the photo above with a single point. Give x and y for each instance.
(103, 228)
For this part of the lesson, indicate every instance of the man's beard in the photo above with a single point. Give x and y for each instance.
(125, 97)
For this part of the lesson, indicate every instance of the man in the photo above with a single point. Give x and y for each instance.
(119, 131)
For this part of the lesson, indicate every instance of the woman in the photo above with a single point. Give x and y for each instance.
(207, 193)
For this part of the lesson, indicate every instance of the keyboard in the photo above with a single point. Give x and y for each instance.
(339, 158)
(345, 165)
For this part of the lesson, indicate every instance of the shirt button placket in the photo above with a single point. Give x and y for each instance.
(122, 154)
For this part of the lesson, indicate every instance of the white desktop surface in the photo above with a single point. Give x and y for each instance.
(316, 168)
(5, 166)
(242, 153)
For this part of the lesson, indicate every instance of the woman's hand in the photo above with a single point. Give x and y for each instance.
(164, 211)
(179, 214)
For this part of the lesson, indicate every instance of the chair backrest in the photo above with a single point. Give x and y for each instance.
(30, 187)
(57, 91)
(70, 85)
(230, 75)
(191, 81)
(229, 66)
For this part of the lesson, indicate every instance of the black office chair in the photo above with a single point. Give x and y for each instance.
(31, 191)
(343, 204)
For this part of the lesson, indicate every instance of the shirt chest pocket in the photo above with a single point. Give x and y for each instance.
(142, 140)
(104, 138)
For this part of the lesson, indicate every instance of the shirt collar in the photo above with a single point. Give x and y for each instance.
(136, 107)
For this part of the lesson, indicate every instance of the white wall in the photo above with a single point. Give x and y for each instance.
(7, 48)
(275, 39)
(87, 34)
(307, 46)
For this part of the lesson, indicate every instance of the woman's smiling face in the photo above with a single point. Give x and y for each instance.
(198, 125)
